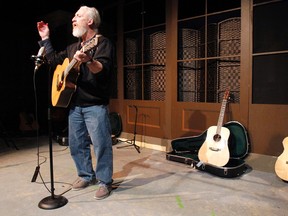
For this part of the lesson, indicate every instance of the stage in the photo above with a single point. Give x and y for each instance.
(145, 183)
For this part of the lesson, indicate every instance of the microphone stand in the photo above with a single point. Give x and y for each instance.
(131, 142)
(53, 201)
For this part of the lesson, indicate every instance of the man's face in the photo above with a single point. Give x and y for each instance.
(80, 23)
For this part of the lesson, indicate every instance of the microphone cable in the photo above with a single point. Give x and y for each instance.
(37, 169)
(39, 59)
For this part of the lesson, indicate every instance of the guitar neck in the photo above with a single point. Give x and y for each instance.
(70, 66)
(84, 49)
(221, 116)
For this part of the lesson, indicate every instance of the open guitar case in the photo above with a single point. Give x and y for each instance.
(185, 150)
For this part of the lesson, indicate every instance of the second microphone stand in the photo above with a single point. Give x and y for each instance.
(131, 142)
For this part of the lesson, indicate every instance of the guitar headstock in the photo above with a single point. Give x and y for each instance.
(90, 45)
(226, 94)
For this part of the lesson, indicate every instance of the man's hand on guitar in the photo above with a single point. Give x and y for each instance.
(82, 57)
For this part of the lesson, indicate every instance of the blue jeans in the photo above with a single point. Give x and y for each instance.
(91, 125)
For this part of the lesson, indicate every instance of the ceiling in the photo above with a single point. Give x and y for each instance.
(42, 7)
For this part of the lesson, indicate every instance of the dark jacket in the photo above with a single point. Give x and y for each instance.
(91, 89)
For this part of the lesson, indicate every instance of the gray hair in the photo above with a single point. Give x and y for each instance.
(93, 13)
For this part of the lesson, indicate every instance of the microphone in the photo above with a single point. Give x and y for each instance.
(39, 58)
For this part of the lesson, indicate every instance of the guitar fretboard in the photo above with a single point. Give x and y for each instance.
(222, 112)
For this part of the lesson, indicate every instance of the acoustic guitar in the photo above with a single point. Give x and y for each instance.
(281, 165)
(215, 149)
(65, 78)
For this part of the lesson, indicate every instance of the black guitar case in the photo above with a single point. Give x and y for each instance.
(116, 126)
(185, 150)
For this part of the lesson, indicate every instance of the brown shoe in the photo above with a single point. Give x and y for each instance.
(80, 184)
(103, 192)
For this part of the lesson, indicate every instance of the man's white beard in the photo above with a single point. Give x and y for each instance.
(79, 31)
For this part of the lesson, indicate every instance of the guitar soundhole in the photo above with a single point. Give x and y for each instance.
(217, 137)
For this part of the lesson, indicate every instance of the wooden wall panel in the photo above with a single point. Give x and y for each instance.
(267, 128)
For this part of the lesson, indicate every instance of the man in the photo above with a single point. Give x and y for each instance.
(88, 119)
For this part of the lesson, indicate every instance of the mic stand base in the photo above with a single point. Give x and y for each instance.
(52, 202)
(131, 143)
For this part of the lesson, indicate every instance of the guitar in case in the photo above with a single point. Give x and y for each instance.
(185, 150)
(215, 149)
(219, 150)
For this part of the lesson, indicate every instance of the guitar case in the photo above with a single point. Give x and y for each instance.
(185, 150)
(116, 126)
